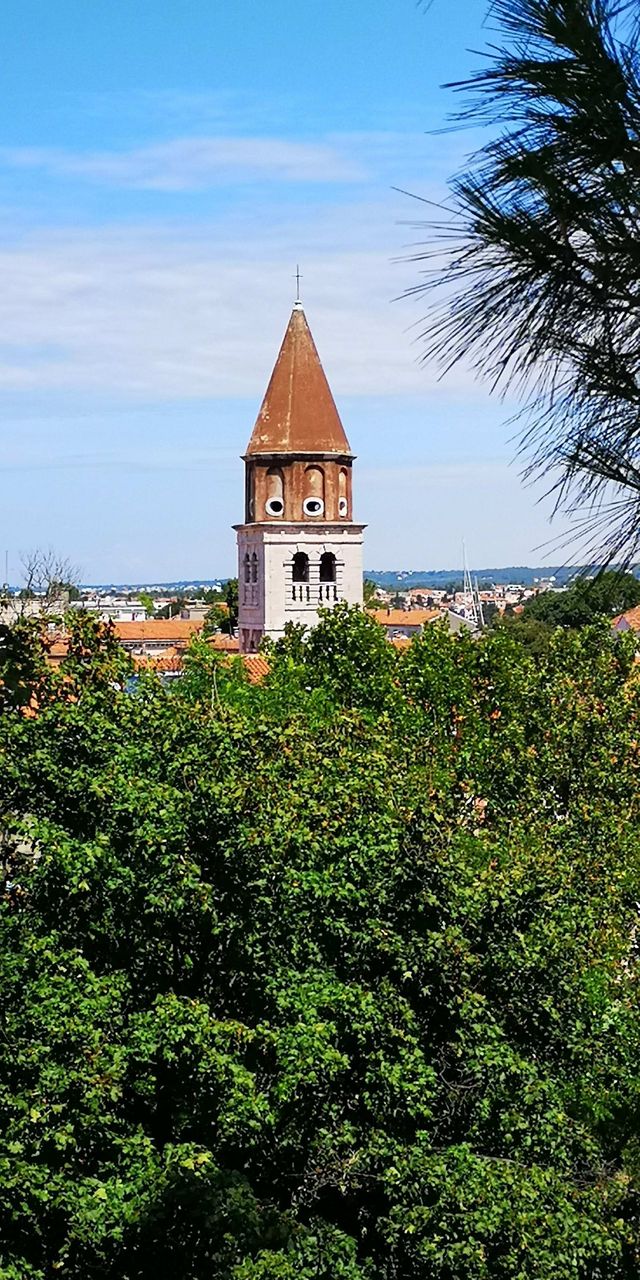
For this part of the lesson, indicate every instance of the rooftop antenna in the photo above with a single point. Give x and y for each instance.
(298, 303)
(478, 604)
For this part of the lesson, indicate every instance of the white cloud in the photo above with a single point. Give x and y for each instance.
(194, 163)
(183, 309)
(208, 159)
(165, 313)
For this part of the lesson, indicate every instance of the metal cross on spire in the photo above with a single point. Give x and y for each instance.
(298, 279)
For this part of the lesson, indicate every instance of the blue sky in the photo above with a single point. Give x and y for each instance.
(163, 166)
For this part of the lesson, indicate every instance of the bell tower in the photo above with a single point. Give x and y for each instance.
(299, 549)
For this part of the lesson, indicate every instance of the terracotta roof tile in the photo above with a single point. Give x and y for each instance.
(405, 617)
(169, 660)
(256, 666)
(631, 617)
(59, 649)
(225, 644)
(159, 629)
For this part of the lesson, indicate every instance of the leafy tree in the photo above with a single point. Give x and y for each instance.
(351, 658)
(172, 609)
(608, 593)
(540, 283)
(213, 595)
(370, 594)
(490, 611)
(222, 614)
(334, 976)
(231, 601)
(149, 603)
(529, 631)
(216, 619)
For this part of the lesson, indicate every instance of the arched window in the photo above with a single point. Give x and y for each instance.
(327, 567)
(247, 568)
(300, 567)
(254, 567)
(343, 496)
(313, 502)
(250, 504)
(274, 505)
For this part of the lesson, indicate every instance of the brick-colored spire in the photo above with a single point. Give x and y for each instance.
(298, 413)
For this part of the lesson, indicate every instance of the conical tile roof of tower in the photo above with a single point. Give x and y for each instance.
(298, 413)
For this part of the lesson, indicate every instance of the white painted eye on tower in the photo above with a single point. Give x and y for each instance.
(313, 507)
(343, 507)
(274, 506)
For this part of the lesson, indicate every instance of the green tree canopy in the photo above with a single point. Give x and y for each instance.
(222, 614)
(331, 977)
(607, 594)
(172, 609)
(231, 601)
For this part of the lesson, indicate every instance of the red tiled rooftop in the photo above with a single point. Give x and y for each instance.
(159, 629)
(169, 660)
(256, 666)
(224, 643)
(631, 617)
(405, 617)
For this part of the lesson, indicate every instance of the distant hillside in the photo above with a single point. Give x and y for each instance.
(522, 575)
(390, 579)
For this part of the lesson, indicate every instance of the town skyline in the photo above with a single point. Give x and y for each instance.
(390, 578)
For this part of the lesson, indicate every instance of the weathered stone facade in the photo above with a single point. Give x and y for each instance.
(299, 548)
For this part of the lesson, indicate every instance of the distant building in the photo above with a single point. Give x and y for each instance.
(14, 607)
(195, 612)
(299, 549)
(457, 622)
(156, 635)
(157, 644)
(112, 608)
(405, 623)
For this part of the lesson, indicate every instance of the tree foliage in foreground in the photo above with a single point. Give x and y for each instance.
(607, 594)
(536, 264)
(335, 977)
